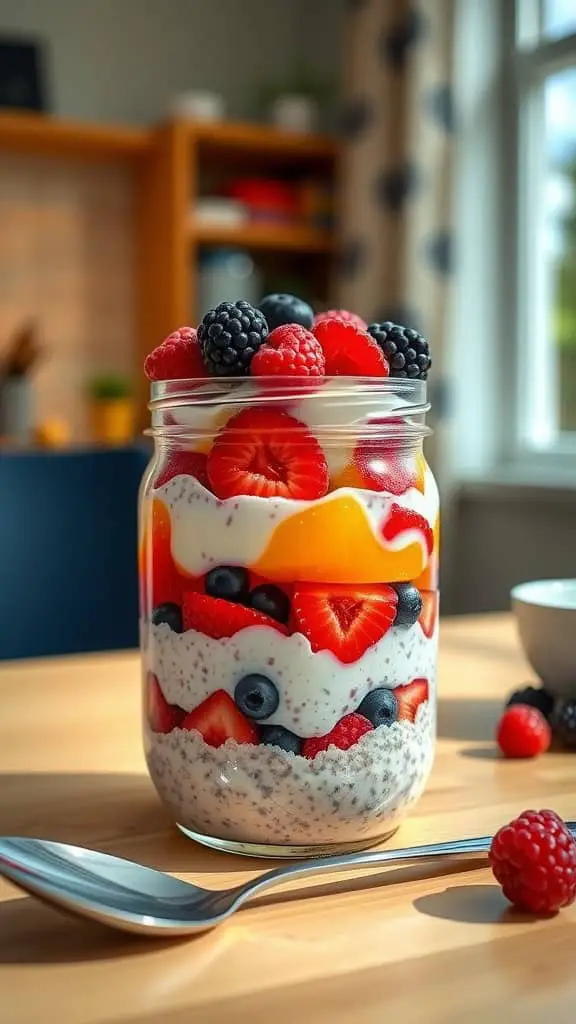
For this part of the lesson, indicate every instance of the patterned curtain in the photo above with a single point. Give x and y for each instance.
(395, 202)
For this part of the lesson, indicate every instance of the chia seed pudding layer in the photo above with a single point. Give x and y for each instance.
(262, 794)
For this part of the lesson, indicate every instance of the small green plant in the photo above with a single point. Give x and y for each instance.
(106, 387)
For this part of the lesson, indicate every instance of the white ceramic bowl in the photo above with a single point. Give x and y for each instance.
(546, 616)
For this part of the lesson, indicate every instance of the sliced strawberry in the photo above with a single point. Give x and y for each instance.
(178, 357)
(344, 619)
(185, 464)
(267, 453)
(406, 520)
(349, 350)
(410, 697)
(218, 618)
(217, 719)
(344, 735)
(429, 612)
(162, 716)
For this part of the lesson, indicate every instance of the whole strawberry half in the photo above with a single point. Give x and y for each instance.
(267, 453)
(343, 619)
(344, 735)
(178, 357)
(217, 719)
(218, 618)
(350, 351)
(410, 697)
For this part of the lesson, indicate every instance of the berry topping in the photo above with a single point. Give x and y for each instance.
(534, 860)
(380, 707)
(407, 352)
(341, 314)
(229, 336)
(162, 716)
(523, 732)
(409, 604)
(344, 619)
(429, 613)
(350, 351)
(267, 453)
(345, 734)
(218, 618)
(410, 697)
(271, 601)
(179, 357)
(158, 569)
(281, 309)
(406, 520)
(290, 351)
(183, 464)
(563, 722)
(256, 696)
(278, 736)
(230, 582)
(217, 719)
(534, 697)
(169, 613)
(380, 466)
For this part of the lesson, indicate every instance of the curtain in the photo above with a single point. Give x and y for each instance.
(395, 200)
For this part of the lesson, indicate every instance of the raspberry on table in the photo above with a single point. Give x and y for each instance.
(535, 697)
(230, 336)
(534, 860)
(563, 722)
(289, 351)
(178, 357)
(523, 732)
(407, 352)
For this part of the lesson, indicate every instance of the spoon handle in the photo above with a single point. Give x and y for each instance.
(324, 865)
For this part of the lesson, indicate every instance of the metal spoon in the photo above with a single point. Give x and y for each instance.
(133, 898)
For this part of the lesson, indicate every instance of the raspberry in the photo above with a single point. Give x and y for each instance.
(535, 697)
(290, 351)
(229, 336)
(185, 464)
(407, 351)
(345, 734)
(341, 314)
(523, 732)
(349, 350)
(563, 722)
(534, 860)
(177, 358)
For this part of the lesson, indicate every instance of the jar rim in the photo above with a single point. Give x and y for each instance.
(241, 390)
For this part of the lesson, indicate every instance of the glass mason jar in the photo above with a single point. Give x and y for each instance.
(289, 608)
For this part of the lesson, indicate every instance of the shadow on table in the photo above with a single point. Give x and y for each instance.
(473, 719)
(471, 904)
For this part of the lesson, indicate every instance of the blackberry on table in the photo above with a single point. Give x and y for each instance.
(563, 722)
(534, 697)
(229, 337)
(407, 352)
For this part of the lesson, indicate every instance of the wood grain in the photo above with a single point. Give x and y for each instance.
(440, 947)
(36, 133)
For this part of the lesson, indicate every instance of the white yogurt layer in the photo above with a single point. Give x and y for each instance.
(261, 794)
(208, 531)
(316, 690)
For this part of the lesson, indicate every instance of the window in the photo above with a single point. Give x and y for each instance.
(543, 127)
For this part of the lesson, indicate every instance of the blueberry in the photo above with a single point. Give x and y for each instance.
(281, 309)
(270, 600)
(277, 736)
(409, 604)
(256, 696)
(227, 581)
(380, 707)
(169, 613)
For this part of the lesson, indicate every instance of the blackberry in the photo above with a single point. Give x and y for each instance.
(534, 697)
(563, 722)
(229, 337)
(407, 351)
(281, 309)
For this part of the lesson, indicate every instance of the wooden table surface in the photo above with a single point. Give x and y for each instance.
(416, 945)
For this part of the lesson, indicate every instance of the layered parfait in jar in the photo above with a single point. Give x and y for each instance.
(288, 564)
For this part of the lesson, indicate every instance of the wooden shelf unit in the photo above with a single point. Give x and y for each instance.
(47, 136)
(273, 238)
